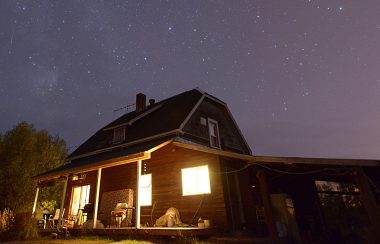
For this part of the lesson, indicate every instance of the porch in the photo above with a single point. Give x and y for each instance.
(133, 231)
(132, 177)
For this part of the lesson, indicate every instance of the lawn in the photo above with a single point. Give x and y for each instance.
(79, 240)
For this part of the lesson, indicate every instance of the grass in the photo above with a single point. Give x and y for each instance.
(79, 240)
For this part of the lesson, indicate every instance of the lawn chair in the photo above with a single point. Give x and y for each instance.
(122, 214)
(42, 217)
(53, 219)
(108, 203)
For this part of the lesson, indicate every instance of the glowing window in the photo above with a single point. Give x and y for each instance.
(145, 190)
(195, 181)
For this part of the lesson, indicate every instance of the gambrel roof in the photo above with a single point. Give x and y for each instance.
(162, 119)
(145, 131)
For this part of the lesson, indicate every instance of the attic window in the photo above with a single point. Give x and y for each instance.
(214, 133)
(119, 134)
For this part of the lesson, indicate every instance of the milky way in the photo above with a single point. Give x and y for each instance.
(302, 78)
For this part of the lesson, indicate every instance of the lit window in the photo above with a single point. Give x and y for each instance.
(214, 133)
(145, 190)
(195, 181)
(119, 134)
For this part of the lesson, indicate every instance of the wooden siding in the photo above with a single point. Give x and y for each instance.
(165, 166)
(114, 178)
(238, 194)
(229, 135)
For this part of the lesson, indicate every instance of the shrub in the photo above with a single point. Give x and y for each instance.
(49, 205)
(18, 226)
(25, 227)
(7, 219)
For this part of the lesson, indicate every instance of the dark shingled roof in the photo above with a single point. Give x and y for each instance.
(166, 115)
(84, 162)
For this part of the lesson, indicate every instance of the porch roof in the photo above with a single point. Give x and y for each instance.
(181, 142)
(317, 161)
(104, 160)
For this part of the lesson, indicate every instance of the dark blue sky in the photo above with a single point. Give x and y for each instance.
(302, 78)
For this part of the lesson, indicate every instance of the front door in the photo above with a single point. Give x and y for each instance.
(79, 197)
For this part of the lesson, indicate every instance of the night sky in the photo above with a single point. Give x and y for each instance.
(301, 77)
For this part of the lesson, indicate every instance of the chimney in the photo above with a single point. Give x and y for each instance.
(140, 102)
(151, 102)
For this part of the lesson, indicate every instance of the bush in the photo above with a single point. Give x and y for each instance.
(17, 226)
(7, 219)
(49, 205)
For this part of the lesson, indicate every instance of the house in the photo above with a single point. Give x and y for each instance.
(187, 152)
(184, 152)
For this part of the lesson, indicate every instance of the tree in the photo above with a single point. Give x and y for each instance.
(24, 153)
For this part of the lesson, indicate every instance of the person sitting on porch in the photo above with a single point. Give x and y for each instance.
(170, 219)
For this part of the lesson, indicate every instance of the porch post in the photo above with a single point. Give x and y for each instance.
(97, 198)
(266, 202)
(368, 200)
(137, 194)
(35, 201)
(62, 202)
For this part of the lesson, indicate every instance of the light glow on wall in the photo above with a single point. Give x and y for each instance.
(195, 181)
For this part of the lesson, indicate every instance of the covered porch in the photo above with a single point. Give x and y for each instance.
(102, 185)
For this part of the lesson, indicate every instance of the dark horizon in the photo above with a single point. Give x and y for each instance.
(300, 78)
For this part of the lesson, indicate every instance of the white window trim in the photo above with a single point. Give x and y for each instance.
(198, 190)
(217, 128)
(114, 135)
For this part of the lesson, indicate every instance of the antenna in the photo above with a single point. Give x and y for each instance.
(125, 108)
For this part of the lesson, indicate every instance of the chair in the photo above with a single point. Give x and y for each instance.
(119, 213)
(87, 212)
(53, 219)
(108, 203)
(41, 216)
(260, 215)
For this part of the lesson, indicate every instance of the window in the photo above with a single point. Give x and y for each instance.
(214, 133)
(195, 181)
(80, 197)
(119, 134)
(145, 190)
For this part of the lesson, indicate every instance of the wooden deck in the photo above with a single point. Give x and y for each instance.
(133, 231)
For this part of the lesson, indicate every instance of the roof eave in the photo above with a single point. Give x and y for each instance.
(172, 132)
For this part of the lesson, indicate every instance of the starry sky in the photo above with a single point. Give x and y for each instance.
(301, 77)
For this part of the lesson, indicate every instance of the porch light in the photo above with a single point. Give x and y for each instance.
(74, 177)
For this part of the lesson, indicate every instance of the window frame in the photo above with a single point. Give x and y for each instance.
(209, 122)
(196, 181)
(115, 132)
